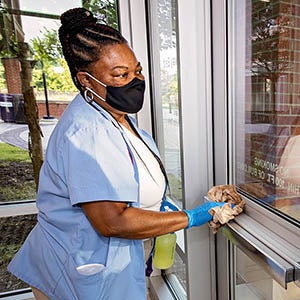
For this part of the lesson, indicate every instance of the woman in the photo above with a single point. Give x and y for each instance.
(102, 183)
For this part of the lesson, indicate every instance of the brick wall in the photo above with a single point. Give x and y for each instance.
(56, 108)
(12, 75)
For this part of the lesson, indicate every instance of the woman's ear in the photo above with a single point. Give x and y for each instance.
(83, 79)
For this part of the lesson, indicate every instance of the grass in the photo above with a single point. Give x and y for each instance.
(12, 153)
(16, 181)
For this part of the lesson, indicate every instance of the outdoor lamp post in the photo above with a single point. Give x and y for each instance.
(48, 116)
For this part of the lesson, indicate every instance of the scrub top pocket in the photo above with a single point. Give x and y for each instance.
(73, 285)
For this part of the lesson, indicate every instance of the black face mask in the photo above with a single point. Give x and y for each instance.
(128, 98)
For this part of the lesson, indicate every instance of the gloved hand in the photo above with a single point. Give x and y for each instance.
(200, 215)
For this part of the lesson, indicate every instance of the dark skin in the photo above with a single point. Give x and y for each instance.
(116, 67)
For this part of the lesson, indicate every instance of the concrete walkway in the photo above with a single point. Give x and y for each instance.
(17, 134)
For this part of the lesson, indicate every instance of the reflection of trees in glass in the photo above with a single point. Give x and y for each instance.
(169, 88)
(166, 18)
(271, 42)
(104, 10)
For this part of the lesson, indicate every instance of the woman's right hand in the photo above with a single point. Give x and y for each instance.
(200, 215)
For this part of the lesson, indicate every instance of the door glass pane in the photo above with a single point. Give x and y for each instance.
(253, 283)
(166, 91)
(163, 15)
(267, 106)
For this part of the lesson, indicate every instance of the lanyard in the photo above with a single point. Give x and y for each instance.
(109, 117)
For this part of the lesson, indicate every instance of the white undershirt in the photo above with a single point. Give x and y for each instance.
(151, 178)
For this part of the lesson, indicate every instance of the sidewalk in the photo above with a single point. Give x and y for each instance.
(17, 134)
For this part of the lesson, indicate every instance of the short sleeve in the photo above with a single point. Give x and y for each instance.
(98, 166)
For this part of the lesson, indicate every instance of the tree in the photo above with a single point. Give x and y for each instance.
(270, 43)
(31, 111)
(47, 48)
(48, 52)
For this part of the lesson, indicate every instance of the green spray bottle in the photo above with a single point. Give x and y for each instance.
(165, 245)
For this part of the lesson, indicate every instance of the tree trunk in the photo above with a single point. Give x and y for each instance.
(31, 111)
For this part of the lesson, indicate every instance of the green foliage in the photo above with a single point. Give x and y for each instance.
(175, 187)
(48, 52)
(12, 153)
(47, 48)
(58, 77)
(8, 46)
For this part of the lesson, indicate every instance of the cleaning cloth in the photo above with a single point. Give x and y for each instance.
(233, 207)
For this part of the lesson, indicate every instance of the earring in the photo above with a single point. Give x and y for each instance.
(88, 99)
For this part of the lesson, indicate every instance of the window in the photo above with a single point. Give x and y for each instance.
(266, 136)
(35, 23)
(166, 91)
(164, 47)
(267, 119)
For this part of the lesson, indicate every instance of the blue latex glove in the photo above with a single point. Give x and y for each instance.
(200, 215)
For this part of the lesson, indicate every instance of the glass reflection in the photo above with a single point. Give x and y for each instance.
(253, 283)
(166, 92)
(267, 108)
(166, 98)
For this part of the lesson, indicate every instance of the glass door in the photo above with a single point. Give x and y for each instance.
(166, 104)
(266, 103)
(179, 51)
(261, 249)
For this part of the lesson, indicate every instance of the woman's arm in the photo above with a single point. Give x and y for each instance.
(116, 219)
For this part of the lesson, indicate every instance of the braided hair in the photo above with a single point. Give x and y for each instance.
(83, 39)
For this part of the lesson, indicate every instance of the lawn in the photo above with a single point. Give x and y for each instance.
(16, 174)
(12, 153)
(16, 184)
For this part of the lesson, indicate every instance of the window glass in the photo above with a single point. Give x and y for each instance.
(166, 91)
(54, 7)
(163, 14)
(34, 23)
(14, 231)
(254, 283)
(267, 106)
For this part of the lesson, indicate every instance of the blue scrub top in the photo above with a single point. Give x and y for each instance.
(88, 159)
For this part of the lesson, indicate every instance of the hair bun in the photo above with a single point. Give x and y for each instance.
(76, 18)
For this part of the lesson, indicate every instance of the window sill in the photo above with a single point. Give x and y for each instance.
(16, 209)
(270, 240)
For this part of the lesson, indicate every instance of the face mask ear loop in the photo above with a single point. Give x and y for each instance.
(103, 84)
